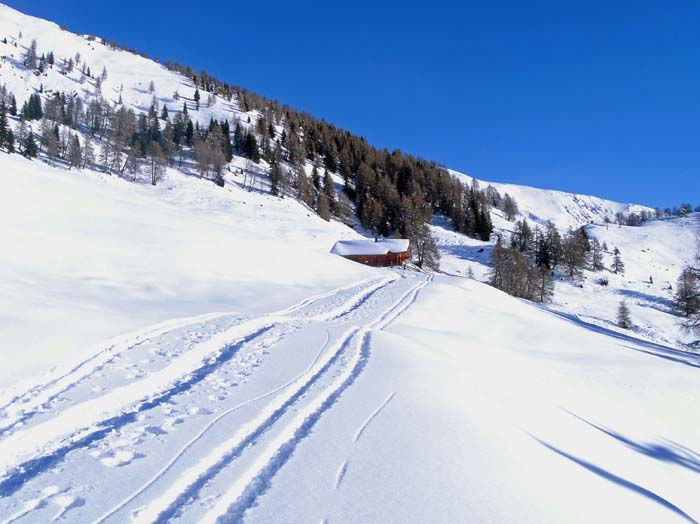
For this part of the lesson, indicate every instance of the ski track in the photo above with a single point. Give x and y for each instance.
(35, 405)
(37, 395)
(343, 468)
(57, 381)
(369, 419)
(341, 474)
(204, 430)
(54, 438)
(190, 482)
(232, 505)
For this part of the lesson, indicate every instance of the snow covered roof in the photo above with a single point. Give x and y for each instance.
(370, 247)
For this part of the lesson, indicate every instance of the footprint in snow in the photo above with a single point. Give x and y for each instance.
(65, 504)
(120, 458)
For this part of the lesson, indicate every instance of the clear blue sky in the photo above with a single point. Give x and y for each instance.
(599, 97)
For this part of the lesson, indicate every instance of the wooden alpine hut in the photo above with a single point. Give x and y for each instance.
(379, 253)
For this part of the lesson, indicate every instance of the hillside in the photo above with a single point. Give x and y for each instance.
(87, 258)
(653, 253)
(563, 209)
(127, 84)
(152, 284)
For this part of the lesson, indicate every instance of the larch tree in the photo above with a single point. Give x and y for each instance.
(424, 247)
(687, 296)
(323, 208)
(157, 161)
(75, 154)
(329, 190)
(30, 57)
(510, 207)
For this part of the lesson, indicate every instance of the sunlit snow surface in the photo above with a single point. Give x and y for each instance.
(213, 362)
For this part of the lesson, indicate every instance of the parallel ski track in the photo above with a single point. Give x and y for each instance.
(21, 467)
(255, 480)
(37, 395)
(159, 474)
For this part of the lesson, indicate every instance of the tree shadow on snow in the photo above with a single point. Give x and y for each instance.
(615, 479)
(664, 305)
(665, 451)
(650, 348)
(478, 254)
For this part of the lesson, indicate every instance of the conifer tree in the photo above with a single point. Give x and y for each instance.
(624, 320)
(276, 179)
(618, 266)
(10, 141)
(75, 154)
(29, 148)
(574, 252)
(329, 190)
(323, 208)
(687, 296)
(157, 161)
(544, 288)
(596, 255)
(510, 207)
(522, 236)
(88, 153)
(424, 248)
(189, 133)
(30, 57)
(196, 99)
(303, 186)
(4, 127)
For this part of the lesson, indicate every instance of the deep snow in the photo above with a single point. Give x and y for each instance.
(299, 386)
(87, 257)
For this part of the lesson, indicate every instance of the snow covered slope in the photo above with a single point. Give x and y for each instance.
(129, 76)
(85, 226)
(86, 256)
(402, 399)
(654, 255)
(565, 210)
(302, 387)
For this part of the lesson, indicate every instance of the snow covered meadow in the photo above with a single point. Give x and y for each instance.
(190, 353)
(86, 258)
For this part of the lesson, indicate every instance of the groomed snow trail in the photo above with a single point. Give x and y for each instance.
(232, 391)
